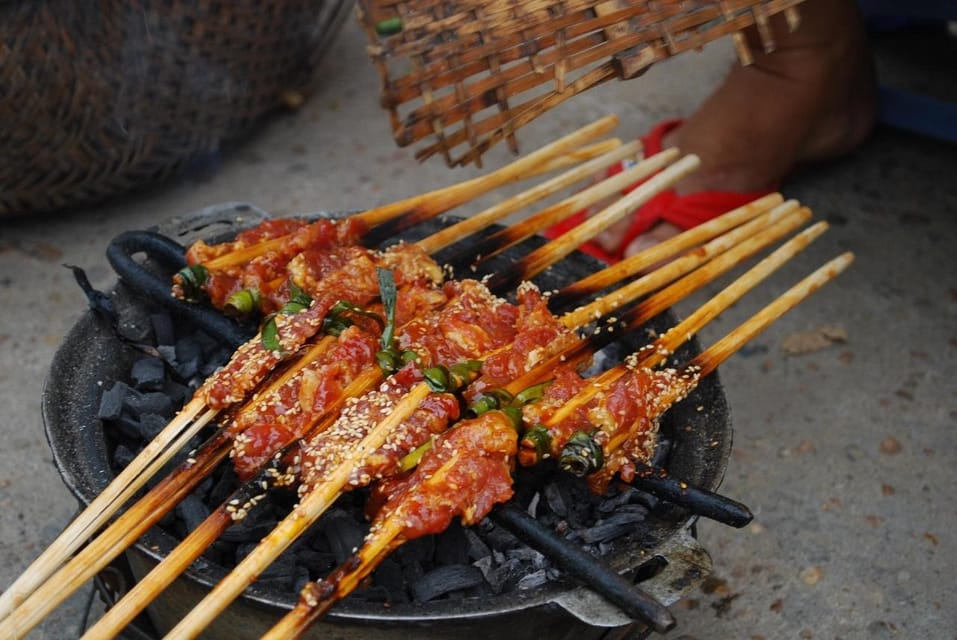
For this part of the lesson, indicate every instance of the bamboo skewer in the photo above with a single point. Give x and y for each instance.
(192, 546)
(187, 423)
(536, 261)
(670, 247)
(661, 348)
(679, 266)
(611, 186)
(456, 232)
(441, 200)
(46, 594)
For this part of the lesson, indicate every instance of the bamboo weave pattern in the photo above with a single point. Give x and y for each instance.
(469, 73)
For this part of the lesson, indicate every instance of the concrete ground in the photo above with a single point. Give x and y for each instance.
(846, 454)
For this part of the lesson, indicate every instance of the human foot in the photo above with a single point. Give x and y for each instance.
(811, 99)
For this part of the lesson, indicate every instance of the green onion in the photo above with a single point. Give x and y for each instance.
(389, 26)
(465, 372)
(540, 440)
(515, 416)
(192, 280)
(408, 356)
(242, 303)
(341, 308)
(491, 400)
(581, 455)
(413, 458)
(270, 334)
(387, 361)
(334, 326)
(439, 378)
(531, 394)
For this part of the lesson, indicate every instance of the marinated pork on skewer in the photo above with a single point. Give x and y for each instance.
(468, 470)
(490, 367)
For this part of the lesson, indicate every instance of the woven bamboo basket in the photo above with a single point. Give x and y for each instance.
(100, 96)
(469, 73)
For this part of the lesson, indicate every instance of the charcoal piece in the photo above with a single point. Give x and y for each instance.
(452, 547)
(500, 539)
(445, 579)
(612, 502)
(122, 456)
(420, 550)
(646, 499)
(187, 369)
(192, 512)
(163, 329)
(128, 427)
(555, 500)
(208, 345)
(281, 574)
(188, 348)
(140, 404)
(319, 563)
(225, 484)
(178, 393)
(168, 354)
(389, 577)
(257, 523)
(614, 526)
(112, 401)
(150, 425)
(532, 580)
(477, 549)
(342, 534)
(148, 374)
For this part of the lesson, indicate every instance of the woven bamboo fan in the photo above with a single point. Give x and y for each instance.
(469, 73)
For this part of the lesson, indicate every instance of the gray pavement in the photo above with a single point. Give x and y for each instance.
(846, 455)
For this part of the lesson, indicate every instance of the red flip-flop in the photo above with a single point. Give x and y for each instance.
(684, 212)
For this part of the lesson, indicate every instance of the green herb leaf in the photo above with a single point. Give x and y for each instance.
(389, 295)
(270, 334)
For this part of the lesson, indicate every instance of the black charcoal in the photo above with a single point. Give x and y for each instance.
(192, 512)
(163, 329)
(452, 546)
(148, 374)
(140, 404)
(342, 533)
(112, 401)
(615, 526)
(446, 579)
